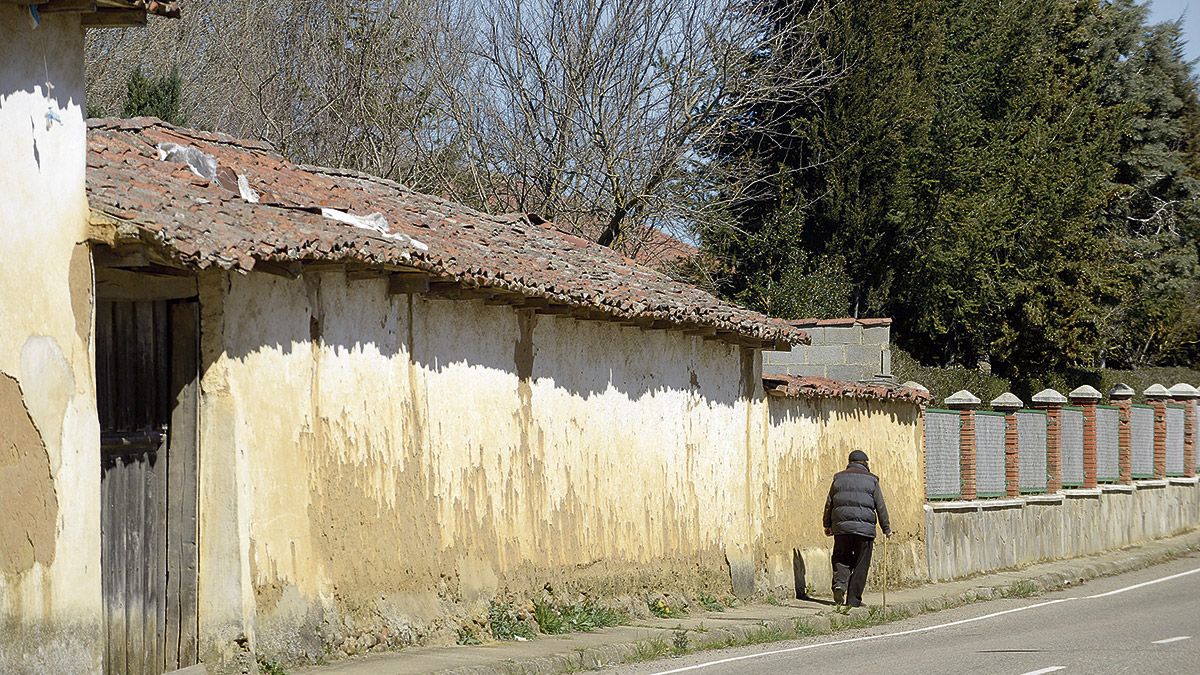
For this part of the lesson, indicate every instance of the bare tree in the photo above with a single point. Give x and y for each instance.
(337, 82)
(597, 114)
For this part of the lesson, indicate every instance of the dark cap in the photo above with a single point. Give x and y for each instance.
(859, 456)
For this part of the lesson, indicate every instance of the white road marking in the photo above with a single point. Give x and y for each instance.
(914, 631)
(1043, 671)
(864, 638)
(1143, 584)
(1170, 640)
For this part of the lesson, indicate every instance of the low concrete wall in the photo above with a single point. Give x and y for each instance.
(965, 539)
(840, 349)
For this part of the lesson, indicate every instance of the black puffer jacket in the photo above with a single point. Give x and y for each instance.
(854, 499)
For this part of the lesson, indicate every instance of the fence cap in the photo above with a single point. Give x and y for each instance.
(962, 400)
(1120, 391)
(1184, 390)
(1156, 391)
(1085, 393)
(1049, 397)
(915, 385)
(1007, 402)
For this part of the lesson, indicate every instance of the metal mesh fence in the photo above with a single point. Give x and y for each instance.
(1174, 441)
(942, 480)
(989, 454)
(1108, 424)
(1031, 440)
(1141, 431)
(1072, 447)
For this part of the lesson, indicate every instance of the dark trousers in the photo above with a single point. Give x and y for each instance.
(851, 560)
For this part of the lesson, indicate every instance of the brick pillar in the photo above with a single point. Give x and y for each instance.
(1121, 396)
(965, 403)
(1157, 395)
(1087, 397)
(1052, 402)
(1009, 404)
(1186, 394)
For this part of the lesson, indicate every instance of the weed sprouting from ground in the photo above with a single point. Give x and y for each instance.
(267, 667)
(549, 619)
(504, 622)
(710, 604)
(659, 607)
(583, 616)
(804, 628)
(468, 636)
(680, 643)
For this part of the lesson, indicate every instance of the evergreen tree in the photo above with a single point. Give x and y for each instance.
(156, 96)
(979, 173)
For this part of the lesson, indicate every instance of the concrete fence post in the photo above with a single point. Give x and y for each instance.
(965, 403)
(1052, 402)
(1186, 394)
(1086, 397)
(1009, 404)
(1157, 395)
(1121, 395)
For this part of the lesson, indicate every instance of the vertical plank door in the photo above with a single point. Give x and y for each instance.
(146, 370)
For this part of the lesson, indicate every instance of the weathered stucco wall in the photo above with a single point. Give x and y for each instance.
(379, 467)
(971, 540)
(809, 440)
(49, 439)
(393, 463)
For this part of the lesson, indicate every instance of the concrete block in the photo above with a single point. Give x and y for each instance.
(807, 371)
(843, 335)
(776, 368)
(849, 373)
(877, 335)
(885, 362)
(816, 335)
(825, 355)
(867, 356)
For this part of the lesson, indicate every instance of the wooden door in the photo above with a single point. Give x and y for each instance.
(146, 380)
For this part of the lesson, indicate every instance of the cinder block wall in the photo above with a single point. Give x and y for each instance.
(850, 350)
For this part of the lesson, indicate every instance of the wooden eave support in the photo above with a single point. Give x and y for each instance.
(113, 18)
(57, 6)
(407, 283)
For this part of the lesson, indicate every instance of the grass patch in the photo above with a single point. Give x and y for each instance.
(1021, 589)
(764, 635)
(504, 622)
(649, 650)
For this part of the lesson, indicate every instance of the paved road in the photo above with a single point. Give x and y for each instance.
(1114, 625)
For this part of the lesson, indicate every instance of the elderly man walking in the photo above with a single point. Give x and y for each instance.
(854, 505)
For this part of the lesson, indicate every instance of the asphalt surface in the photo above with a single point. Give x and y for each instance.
(1154, 628)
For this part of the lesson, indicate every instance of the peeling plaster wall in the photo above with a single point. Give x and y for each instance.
(376, 468)
(49, 438)
(374, 461)
(809, 440)
(969, 541)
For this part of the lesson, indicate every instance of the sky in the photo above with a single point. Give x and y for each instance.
(1169, 10)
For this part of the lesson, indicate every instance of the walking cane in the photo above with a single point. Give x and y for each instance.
(885, 557)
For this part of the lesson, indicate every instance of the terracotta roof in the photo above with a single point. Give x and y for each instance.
(840, 322)
(820, 387)
(198, 223)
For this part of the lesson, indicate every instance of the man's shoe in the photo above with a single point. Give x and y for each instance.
(839, 596)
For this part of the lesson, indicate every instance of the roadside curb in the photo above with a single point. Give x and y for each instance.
(1029, 581)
